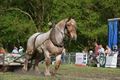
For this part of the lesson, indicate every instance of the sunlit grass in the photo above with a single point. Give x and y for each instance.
(68, 72)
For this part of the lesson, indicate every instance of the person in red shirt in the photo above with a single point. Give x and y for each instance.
(96, 49)
(97, 54)
(2, 50)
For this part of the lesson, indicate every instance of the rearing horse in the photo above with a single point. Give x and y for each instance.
(50, 43)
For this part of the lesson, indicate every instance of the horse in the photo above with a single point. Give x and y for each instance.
(50, 43)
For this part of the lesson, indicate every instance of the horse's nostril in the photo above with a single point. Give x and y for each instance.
(74, 36)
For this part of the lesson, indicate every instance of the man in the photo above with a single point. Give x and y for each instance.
(2, 50)
(101, 49)
(15, 50)
(96, 49)
(21, 50)
(97, 54)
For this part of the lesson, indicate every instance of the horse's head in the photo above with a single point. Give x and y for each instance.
(70, 26)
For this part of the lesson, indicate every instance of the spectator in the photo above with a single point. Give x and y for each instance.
(101, 49)
(2, 50)
(21, 49)
(96, 58)
(115, 48)
(15, 50)
(63, 56)
(90, 52)
(107, 51)
(96, 49)
(85, 51)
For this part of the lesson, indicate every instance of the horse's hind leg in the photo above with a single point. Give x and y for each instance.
(58, 62)
(37, 60)
(27, 58)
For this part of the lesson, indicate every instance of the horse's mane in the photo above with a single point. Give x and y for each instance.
(59, 29)
(60, 25)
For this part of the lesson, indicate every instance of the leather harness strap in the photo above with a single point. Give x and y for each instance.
(35, 41)
(53, 35)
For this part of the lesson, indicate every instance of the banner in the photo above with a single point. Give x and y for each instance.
(111, 61)
(112, 33)
(81, 59)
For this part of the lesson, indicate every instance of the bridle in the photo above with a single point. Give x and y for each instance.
(62, 32)
(65, 32)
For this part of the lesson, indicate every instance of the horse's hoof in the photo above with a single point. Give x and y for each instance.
(53, 73)
(38, 72)
(24, 69)
(47, 74)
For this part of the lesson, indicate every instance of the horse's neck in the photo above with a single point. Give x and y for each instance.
(57, 35)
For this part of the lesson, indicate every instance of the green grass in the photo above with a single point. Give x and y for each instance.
(67, 72)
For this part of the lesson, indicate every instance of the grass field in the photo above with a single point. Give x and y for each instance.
(66, 72)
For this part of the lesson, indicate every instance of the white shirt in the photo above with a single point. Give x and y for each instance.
(15, 51)
(101, 50)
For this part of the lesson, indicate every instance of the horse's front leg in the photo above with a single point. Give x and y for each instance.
(58, 62)
(47, 62)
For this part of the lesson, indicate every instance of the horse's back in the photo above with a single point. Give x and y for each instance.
(30, 42)
(42, 38)
(37, 39)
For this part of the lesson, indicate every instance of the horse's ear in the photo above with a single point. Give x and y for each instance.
(51, 24)
(69, 18)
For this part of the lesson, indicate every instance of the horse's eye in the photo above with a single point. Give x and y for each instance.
(68, 25)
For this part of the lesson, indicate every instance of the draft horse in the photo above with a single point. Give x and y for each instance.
(50, 43)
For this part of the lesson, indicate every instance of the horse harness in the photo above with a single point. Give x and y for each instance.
(54, 40)
(58, 45)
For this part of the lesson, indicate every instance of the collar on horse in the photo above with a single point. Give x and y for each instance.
(53, 40)
(53, 35)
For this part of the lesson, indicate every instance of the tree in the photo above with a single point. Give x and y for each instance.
(39, 10)
(15, 27)
(91, 17)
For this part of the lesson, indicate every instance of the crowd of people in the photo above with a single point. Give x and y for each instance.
(14, 51)
(100, 50)
(107, 50)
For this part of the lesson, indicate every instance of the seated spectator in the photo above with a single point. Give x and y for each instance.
(96, 49)
(115, 48)
(107, 51)
(21, 50)
(101, 49)
(85, 50)
(2, 50)
(15, 50)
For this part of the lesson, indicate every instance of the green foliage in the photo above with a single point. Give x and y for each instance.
(15, 28)
(91, 17)
(89, 23)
